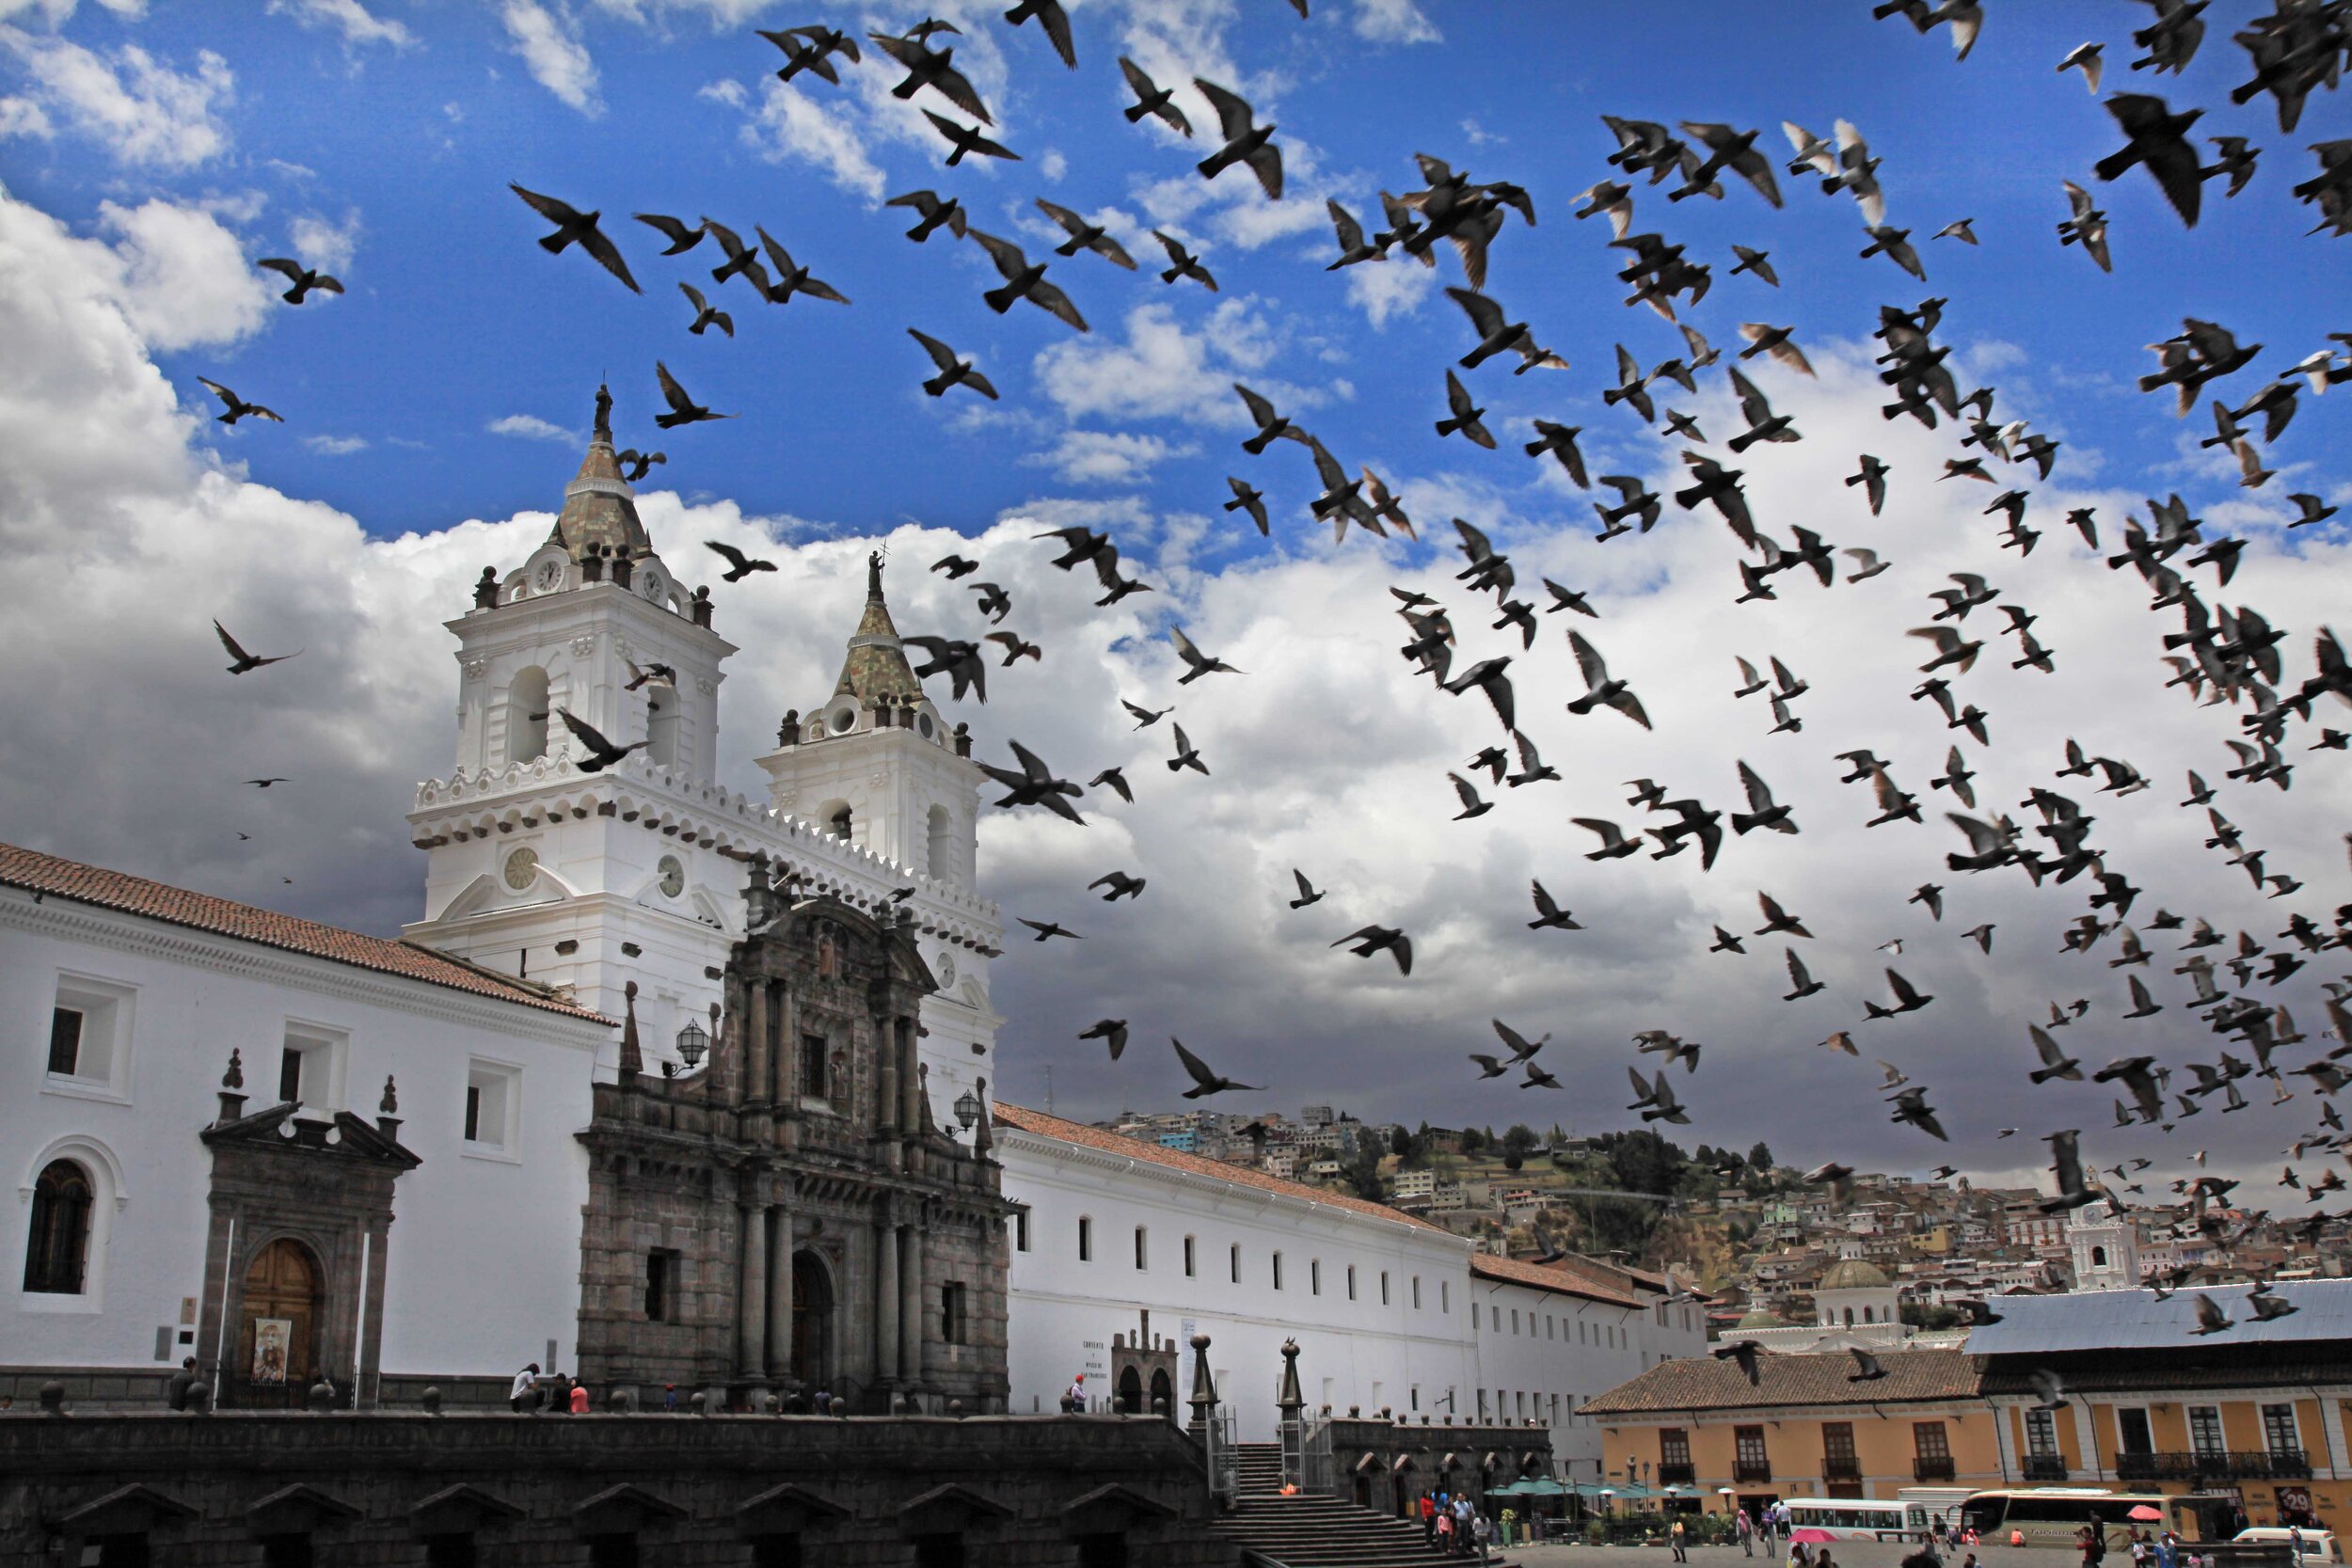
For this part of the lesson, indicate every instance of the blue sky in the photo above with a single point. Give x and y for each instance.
(150, 152)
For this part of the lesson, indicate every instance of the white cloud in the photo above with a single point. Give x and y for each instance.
(789, 124)
(22, 117)
(321, 243)
(335, 446)
(1101, 457)
(551, 47)
(352, 19)
(184, 279)
(1053, 165)
(532, 427)
(1394, 287)
(1163, 370)
(1394, 22)
(140, 109)
(56, 12)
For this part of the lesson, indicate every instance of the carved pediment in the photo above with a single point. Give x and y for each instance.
(285, 1128)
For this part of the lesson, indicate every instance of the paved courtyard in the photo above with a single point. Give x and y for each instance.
(1847, 1554)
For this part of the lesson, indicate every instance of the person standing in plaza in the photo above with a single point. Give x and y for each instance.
(1480, 1532)
(1744, 1528)
(1676, 1536)
(1428, 1520)
(524, 1395)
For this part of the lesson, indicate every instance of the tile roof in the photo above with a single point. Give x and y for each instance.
(53, 876)
(1043, 1126)
(1702, 1383)
(2135, 1319)
(1544, 1276)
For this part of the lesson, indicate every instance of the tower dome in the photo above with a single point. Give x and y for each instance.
(1854, 1275)
(599, 509)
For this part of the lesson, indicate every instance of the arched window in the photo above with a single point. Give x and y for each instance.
(1849, 1316)
(662, 720)
(940, 859)
(2098, 1257)
(1865, 1314)
(837, 818)
(56, 1254)
(527, 715)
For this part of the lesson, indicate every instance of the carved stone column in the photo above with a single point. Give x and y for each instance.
(751, 1292)
(911, 1304)
(910, 1081)
(780, 1292)
(886, 1093)
(756, 1040)
(886, 1303)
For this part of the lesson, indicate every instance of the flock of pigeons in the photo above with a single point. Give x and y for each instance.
(2226, 655)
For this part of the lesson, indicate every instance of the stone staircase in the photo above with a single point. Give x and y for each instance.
(1318, 1531)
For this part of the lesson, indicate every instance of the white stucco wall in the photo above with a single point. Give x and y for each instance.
(485, 1251)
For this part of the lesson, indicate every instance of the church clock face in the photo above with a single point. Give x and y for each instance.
(521, 868)
(548, 578)
(650, 583)
(673, 876)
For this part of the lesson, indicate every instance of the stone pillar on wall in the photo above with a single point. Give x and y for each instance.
(751, 1292)
(780, 1292)
(756, 1036)
(910, 1081)
(911, 1304)
(886, 1303)
(886, 1094)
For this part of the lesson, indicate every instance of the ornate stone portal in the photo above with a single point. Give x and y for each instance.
(789, 1218)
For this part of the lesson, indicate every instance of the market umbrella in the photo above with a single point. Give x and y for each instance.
(2145, 1515)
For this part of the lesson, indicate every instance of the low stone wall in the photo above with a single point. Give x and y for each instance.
(532, 1492)
(1383, 1463)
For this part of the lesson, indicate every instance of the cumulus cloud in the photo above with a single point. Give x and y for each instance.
(183, 279)
(1163, 369)
(1102, 458)
(357, 24)
(1394, 287)
(788, 125)
(22, 117)
(335, 446)
(1394, 22)
(532, 427)
(552, 52)
(325, 245)
(140, 109)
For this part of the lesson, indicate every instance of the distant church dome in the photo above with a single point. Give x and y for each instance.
(1763, 1318)
(1853, 1275)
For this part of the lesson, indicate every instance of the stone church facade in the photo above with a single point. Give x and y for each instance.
(789, 1219)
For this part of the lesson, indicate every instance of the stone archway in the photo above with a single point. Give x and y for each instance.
(1163, 1394)
(283, 1308)
(812, 1321)
(1130, 1392)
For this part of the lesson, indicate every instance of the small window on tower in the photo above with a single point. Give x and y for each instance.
(526, 709)
(839, 823)
(813, 1066)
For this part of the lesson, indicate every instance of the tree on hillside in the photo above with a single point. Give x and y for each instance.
(1760, 1157)
(1362, 1173)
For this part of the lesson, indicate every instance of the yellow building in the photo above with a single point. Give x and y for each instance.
(1806, 1428)
(2249, 1421)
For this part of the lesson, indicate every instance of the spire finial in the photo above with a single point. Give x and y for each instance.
(632, 1057)
(873, 577)
(604, 414)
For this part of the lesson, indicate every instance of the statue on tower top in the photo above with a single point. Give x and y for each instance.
(873, 575)
(604, 414)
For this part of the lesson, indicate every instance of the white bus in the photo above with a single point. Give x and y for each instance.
(2051, 1515)
(1814, 1520)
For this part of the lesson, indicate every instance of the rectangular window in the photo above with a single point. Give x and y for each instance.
(2279, 1433)
(1482, 1406)
(1277, 1270)
(1473, 1315)
(1748, 1455)
(1021, 1230)
(1384, 1287)
(2204, 1429)
(1674, 1446)
(493, 1093)
(1415, 1393)
(1930, 1442)
(2041, 1435)
(65, 1042)
(2132, 1433)
(1445, 1296)
(1233, 1262)
(289, 1075)
(309, 1067)
(1351, 1282)
(1143, 1252)
(813, 1066)
(1515, 1320)
(661, 1286)
(1416, 1293)
(1315, 1276)
(1189, 1267)
(952, 1326)
(1086, 1240)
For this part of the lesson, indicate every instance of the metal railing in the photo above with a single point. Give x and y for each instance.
(1751, 1471)
(2197, 1465)
(1223, 1456)
(1841, 1467)
(1319, 1475)
(1677, 1475)
(2044, 1466)
(1933, 1468)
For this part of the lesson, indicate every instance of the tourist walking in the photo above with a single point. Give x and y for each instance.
(1481, 1532)
(1445, 1532)
(1428, 1520)
(1676, 1536)
(1463, 1512)
(176, 1391)
(1744, 1528)
(580, 1398)
(525, 1394)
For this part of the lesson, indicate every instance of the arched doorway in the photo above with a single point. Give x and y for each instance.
(812, 1321)
(1130, 1392)
(277, 1340)
(1162, 1395)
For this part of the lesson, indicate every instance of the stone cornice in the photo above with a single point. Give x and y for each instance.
(129, 933)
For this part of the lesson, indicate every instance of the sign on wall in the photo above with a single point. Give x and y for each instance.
(271, 1338)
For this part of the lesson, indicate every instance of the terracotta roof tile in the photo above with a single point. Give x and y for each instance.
(1544, 1276)
(53, 876)
(1160, 1154)
(1703, 1383)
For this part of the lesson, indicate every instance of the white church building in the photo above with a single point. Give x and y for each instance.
(426, 1094)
